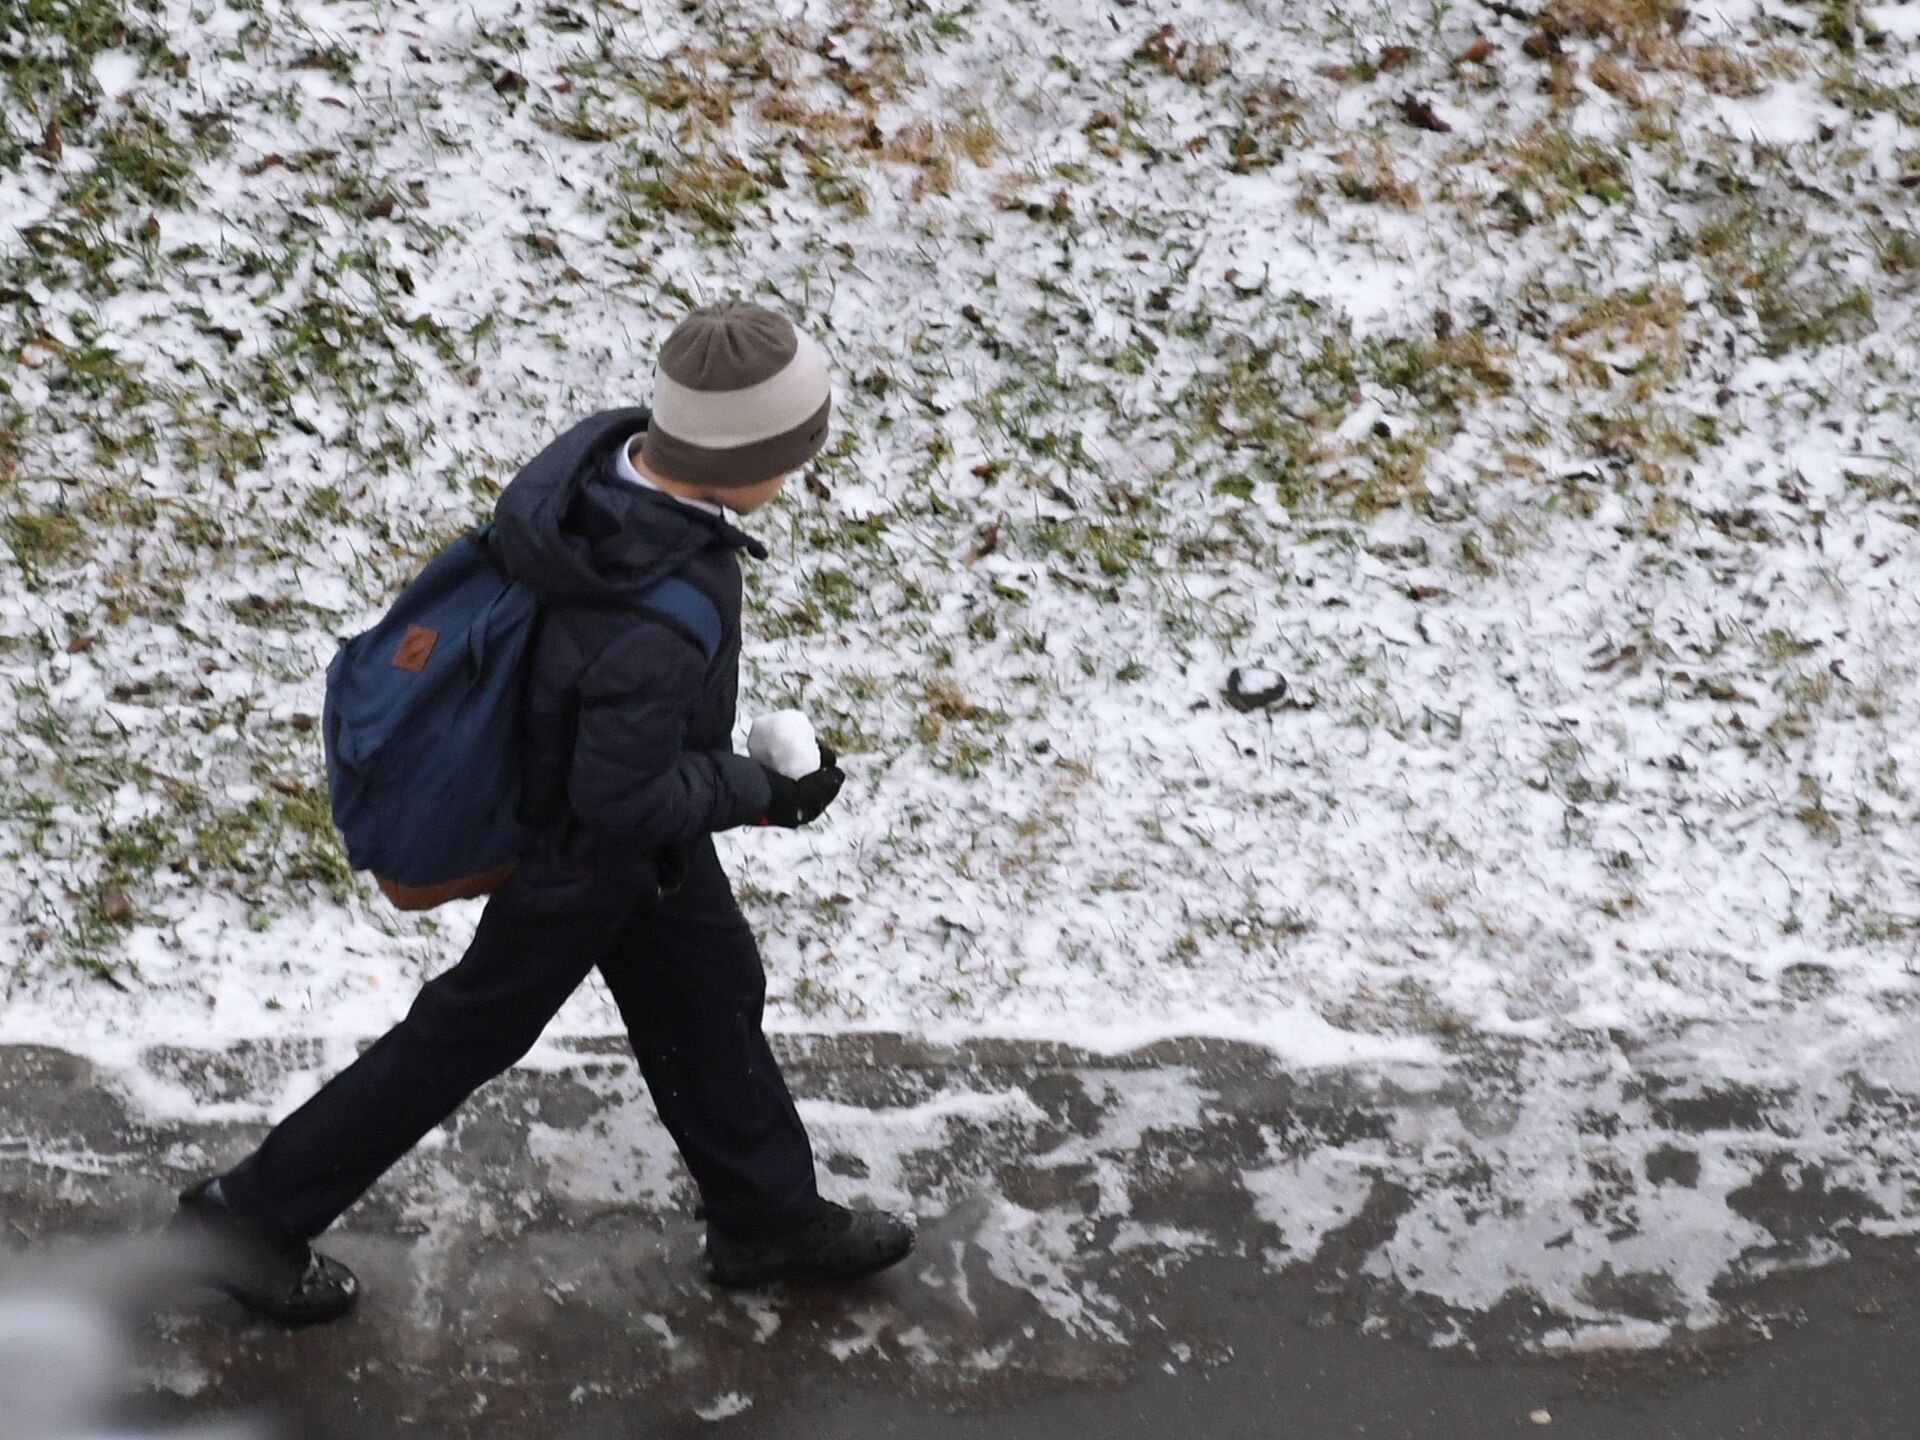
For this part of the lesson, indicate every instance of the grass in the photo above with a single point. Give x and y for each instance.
(1123, 416)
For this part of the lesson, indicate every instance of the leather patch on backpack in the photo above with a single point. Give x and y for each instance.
(415, 646)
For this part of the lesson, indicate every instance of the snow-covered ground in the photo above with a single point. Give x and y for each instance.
(1536, 397)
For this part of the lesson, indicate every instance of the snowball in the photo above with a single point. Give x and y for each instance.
(784, 741)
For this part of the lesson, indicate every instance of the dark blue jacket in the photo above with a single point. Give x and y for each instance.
(629, 733)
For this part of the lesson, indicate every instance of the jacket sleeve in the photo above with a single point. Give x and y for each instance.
(632, 781)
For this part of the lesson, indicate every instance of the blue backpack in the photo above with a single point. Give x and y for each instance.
(422, 725)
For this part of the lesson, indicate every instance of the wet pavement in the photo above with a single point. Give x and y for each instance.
(1189, 1236)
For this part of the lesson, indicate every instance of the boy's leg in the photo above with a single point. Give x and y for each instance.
(686, 975)
(468, 1025)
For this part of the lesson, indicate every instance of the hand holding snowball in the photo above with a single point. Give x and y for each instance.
(801, 772)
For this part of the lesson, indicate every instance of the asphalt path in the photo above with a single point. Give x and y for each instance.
(516, 1285)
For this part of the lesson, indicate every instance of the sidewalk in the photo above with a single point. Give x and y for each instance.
(1094, 1257)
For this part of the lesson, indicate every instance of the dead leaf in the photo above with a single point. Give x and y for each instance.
(1420, 113)
(115, 907)
(988, 542)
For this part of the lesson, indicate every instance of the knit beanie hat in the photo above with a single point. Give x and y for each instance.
(739, 397)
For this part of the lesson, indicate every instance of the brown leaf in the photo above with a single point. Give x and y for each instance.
(263, 164)
(1425, 592)
(988, 542)
(1541, 44)
(1479, 50)
(509, 82)
(382, 208)
(1420, 113)
(1626, 652)
(79, 644)
(115, 907)
(1394, 56)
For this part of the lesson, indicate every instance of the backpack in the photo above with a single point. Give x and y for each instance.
(422, 724)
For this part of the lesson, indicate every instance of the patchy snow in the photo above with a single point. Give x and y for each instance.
(115, 72)
(725, 1406)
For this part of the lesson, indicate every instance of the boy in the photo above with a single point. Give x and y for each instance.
(629, 771)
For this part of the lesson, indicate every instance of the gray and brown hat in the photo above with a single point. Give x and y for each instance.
(739, 397)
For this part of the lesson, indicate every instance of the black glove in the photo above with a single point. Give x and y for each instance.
(795, 802)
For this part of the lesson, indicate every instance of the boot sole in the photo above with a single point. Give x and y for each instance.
(287, 1319)
(744, 1279)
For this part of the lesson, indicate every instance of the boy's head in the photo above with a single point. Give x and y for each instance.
(740, 401)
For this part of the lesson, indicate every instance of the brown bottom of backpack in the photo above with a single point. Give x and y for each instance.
(425, 897)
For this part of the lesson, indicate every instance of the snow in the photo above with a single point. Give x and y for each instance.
(115, 72)
(725, 1406)
(1901, 22)
(784, 742)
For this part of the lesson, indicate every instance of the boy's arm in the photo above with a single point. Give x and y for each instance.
(632, 781)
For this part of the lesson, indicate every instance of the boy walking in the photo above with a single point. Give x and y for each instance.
(629, 769)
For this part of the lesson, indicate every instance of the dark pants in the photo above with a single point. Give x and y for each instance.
(686, 974)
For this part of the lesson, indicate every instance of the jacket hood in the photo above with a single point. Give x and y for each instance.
(571, 530)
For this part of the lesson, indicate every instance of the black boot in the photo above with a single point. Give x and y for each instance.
(839, 1245)
(284, 1281)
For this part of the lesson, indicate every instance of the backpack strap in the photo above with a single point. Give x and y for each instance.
(680, 602)
(481, 538)
(687, 606)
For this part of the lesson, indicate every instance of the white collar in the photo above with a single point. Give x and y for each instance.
(623, 467)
